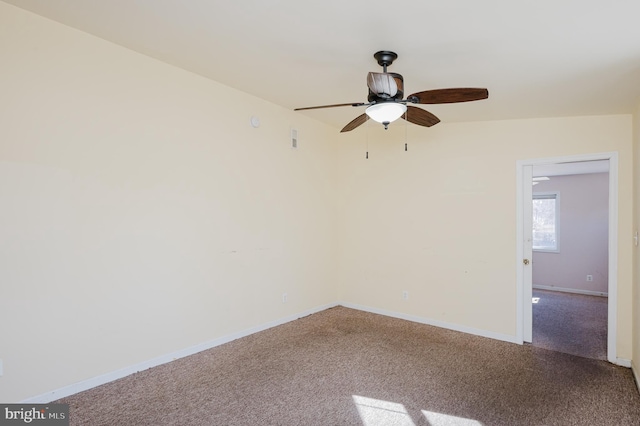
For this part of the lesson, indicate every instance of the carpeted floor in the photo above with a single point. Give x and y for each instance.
(571, 323)
(347, 367)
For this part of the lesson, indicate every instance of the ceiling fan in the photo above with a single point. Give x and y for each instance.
(385, 103)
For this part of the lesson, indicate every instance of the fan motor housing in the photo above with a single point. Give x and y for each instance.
(399, 95)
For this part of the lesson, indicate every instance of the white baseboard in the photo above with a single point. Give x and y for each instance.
(118, 374)
(436, 323)
(622, 362)
(123, 372)
(469, 330)
(570, 290)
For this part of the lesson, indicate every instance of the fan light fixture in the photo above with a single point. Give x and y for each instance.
(386, 112)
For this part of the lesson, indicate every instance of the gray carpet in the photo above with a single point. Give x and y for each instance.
(347, 367)
(571, 323)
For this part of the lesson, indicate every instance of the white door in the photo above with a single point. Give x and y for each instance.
(527, 252)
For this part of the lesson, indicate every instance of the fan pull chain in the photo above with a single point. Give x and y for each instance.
(367, 144)
(406, 126)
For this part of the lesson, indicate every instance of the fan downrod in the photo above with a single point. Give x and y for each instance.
(385, 58)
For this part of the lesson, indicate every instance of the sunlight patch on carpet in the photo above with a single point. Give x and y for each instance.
(438, 419)
(376, 412)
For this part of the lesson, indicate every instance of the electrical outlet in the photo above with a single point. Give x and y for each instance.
(405, 295)
(589, 277)
(284, 297)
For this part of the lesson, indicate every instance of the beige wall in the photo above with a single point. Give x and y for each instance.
(439, 220)
(583, 235)
(140, 212)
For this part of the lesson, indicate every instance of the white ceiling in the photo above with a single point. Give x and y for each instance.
(537, 58)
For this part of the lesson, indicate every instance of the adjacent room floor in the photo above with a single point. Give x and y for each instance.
(571, 323)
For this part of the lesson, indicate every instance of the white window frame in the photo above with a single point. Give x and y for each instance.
(550, 195)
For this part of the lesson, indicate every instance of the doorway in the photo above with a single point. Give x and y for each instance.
(570, 257)
(525, 172)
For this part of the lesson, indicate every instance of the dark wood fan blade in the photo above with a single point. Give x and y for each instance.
(330, 106)
(448, 96)
(361, 119)
(382, 84)
(420, 117)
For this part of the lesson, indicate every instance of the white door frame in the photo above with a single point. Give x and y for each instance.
(523, 244)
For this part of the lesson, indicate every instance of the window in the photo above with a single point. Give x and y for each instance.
(545, 221)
